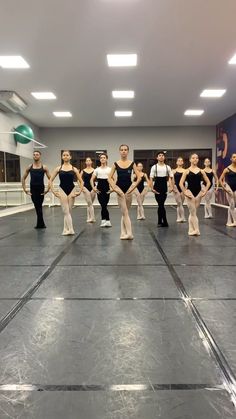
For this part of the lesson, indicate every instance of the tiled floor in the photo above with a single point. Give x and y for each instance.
(97, 328)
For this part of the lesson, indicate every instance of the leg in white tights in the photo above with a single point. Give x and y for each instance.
(207, 206)
(231, 198)
(193, 203)
(89, 197)
(140, 209)
(124, 203)
(179, 198)
(66, 204)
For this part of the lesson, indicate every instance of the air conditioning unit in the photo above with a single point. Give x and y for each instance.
(11, 102)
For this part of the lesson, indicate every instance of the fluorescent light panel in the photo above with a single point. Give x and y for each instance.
(122, 60)
(120, 114)
(123, 94)
(193, 112)
(232, 60)
(62, 114)
(43, 95)
(213, 93)
(13, 61)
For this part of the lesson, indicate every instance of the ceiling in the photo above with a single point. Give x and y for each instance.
(183, 47)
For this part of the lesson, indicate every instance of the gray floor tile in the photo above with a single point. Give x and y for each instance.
(14, 281)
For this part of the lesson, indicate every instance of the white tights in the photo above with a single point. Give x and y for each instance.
(89, 197)
(207, 206)
(231, 198)
(67, 203)
(140, 198)
(124, 203)
(179, 198)
(193, 203)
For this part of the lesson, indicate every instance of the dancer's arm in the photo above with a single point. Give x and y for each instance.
(146, 188)
(48, 176)
(152, 175)
(93, 178)
(223, 183)
(207, 181)
(216, 180)
(79, 181)
(112, 183)
(182, 184)
(171, 180)
(51, 186)
(24, 177)
(138, 180)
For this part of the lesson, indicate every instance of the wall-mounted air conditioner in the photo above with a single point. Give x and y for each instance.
(11, 102)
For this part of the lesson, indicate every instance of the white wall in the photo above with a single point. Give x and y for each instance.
(8, 121)
(58, 139)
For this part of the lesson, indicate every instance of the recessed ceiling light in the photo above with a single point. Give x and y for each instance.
(213, 93)
(43, 95)
(122, 60)
(13, 61)
(123, 94)
(193, 112)
(120, 114)
(232, 60)
(62, 114)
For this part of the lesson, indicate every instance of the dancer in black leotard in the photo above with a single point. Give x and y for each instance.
(141, 191)
(194, 176)
(178, 193)
(67, 191)
(228, 182)
(124, 188)
(88, 191)
(160, 176)
(37, 170)
(102, 189)
(211, 174)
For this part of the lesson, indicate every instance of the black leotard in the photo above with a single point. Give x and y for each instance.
(194, 182)
(210, 176)
(177, 177)
(124, 177)
(86, 178)
(140, 186)
(231, 179)
(36, 176)
(67, 180)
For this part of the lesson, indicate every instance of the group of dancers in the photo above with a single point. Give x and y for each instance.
(126, 179)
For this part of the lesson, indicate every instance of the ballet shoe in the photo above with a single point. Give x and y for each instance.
(179, 221)
(124, 237)
(130, 237)
(230, 224)
(139, 218)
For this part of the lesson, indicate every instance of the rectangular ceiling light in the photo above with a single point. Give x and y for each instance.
(232, 60)
(13, 61)
(193, 112)
(120, 114)
(122, 60)
(213, 93)
(63, 114)
(43, 95)
(123, 94)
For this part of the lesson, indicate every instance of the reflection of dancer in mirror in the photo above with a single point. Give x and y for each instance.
(141, 191)
(67, 190)
(102, 189)
(178, 193)
(221, 150)
(228, 182)
(124, 187)
(37, 170)
(160, 176)
(211, 174)
(194, 176)
(89, 194)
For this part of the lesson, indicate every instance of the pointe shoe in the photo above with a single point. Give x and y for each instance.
(124, 237)
(230, 224)
(139, 218)
(130, 237)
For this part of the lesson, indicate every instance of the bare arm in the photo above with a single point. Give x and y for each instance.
(112, 183)
(48, 176)
(182, 184)
(51, 186)
(93, 178)
(222, 180)
(207, 181)
(24, 177)
(225, 140)
(216, 179)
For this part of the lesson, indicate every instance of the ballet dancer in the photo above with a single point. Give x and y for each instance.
(88, 192)
(160, 176)
(193, 192)
(211, 174)
(102, 189)
(178, 193)
(141, 191)
(228, 182)
(37, 170)
(67, 190)
(124, 187)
